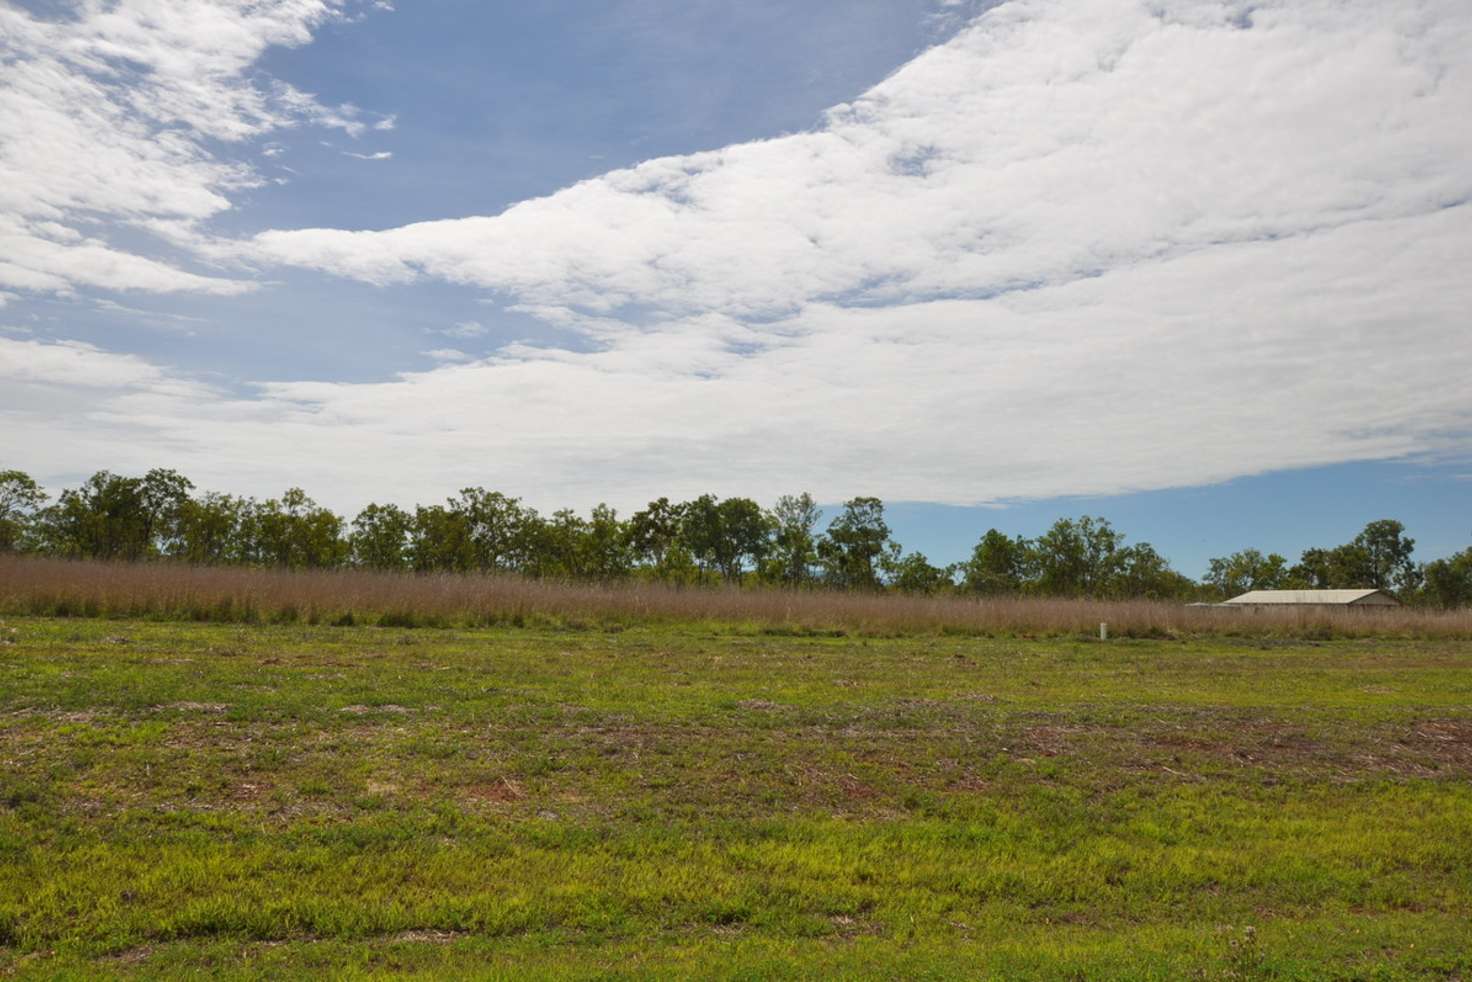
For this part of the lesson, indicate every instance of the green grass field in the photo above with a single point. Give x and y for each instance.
(261, 801)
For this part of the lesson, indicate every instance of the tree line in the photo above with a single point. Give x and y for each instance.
(159, 516)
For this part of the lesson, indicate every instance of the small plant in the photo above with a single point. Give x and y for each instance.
(1243, 953)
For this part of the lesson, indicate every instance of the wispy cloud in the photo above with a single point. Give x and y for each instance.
(117, 115)
(446, 355)
(148, 316)
(380, 155)
(465, 329)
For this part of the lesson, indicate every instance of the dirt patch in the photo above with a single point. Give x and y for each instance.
(1428, 748)
(132, 956)
(504, 791)
(193, 707)
(762, 705)
(425, 936)
(1050, 741)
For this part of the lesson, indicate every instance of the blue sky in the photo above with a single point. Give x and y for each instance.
(1285, 512)
(1194, 265)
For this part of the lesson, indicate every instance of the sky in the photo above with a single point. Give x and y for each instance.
(1198, 266)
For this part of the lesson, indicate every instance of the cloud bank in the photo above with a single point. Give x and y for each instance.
(1050, 141)
(1084, 247)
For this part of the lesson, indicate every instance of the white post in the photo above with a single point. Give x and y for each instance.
(1103, 631)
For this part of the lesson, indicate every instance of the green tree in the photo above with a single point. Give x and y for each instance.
(794, 547)
(608, 555)
(440, 540)
(913, 573)
(1077, 558)
(654, 532)
(1378, 558)
(381, 537)
(104, 518)
(295, 532)
(743, 539)
(210, 530)
(700, 531)
(21, 499)
(498, 526)
(850, 550)
(1386, 552)
(1144, 572)
(561, 549)
(998, 565)
(116, 517)
(164, 493)
(1449, 581)
(1247, 570)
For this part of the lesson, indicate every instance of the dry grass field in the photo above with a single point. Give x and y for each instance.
(49, 587)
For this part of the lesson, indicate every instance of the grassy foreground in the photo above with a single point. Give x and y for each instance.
(254, 801)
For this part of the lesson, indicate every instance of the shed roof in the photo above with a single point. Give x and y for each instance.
(1342, 598)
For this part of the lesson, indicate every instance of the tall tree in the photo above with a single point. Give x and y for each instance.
(851, 548)
(164, 496)
(440, 540)
(998, 565)
(913, 573)
(1387, 556)
(210, 530)
(794, 550)
(700, 530)
(381, 536)
(1078, 557)
(21, 498)
(1144, 572)
(654, 532)
(295, 532)
(562, 546)
(1449, 581)
(743, 537)
(105, 518)
(498, 527)
(1247, 570)
(1378, 558)
(607, 551)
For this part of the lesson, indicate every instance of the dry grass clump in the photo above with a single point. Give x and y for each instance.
(60, 588)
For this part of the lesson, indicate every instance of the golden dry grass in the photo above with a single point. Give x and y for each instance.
(50, 587)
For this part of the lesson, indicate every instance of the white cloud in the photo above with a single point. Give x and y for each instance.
(108, 113)
(446, 355)
(1117, 382)
(154, 318)
(73, 364)
(1050, 141)
(465, 330)
(379, 155)
(1087, 246)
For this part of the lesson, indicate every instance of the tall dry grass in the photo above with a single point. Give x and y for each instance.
(60, 588)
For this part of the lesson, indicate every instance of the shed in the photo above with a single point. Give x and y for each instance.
(1338, 599)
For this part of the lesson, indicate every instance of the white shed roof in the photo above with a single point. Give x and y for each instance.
(1342, 598)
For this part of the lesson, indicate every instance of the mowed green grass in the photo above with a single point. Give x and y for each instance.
(263, 801)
